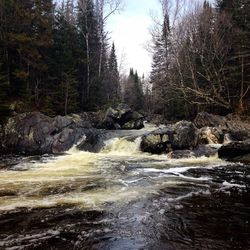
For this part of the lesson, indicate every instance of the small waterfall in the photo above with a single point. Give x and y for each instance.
(122, 145)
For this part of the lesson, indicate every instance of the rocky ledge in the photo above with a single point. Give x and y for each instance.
(204, 136)
(179, 136)
(236, 151)
(122, 117)
(35, 133)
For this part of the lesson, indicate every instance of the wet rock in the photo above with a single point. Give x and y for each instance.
(34, 134)
(86, 119)
(201, 150)
(122, 117)
(180, 136)
(93, 141)
(214, 126)
(180, 154)
(208, 135)
(185, 135)
(236, 151)
(157, 142)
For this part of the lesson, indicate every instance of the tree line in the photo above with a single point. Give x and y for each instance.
(201, 58)
(56, 58)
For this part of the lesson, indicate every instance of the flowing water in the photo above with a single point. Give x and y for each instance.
(121, 198)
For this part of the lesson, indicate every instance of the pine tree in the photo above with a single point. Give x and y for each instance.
(159, 76)
(133, 95)
(113, 77)
(63, 96)
(137, 93)
(27, 35)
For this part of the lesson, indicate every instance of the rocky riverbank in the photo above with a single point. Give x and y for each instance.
(37, 134)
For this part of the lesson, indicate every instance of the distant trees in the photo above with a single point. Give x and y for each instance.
(133, 90)
(238, 61)
(25, 39)
(199, 63)
(56, 58)
(113, 83)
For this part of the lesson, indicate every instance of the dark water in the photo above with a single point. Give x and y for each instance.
(135, 201)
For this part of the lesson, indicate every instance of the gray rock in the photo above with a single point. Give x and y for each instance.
(201, 150)
(205, 119)
(215, 127)
(180, 136)
(34, 134)
(122, 117)
(236, 151)
(209, 135)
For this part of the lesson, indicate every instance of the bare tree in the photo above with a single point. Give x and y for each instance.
(83, 6)
(104, 9)
(200, 56)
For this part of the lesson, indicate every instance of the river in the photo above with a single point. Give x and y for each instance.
(121, 198)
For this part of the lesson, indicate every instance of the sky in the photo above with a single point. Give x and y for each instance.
(129, 29)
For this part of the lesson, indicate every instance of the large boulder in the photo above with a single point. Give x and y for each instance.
(236, 151)
(217, 129)
(205, 119)
(211, 135)
(35, 133)
(122, 117)
(180, 136)
(201, 150)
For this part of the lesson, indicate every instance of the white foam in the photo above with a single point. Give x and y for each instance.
(230, 185)
(191, 194)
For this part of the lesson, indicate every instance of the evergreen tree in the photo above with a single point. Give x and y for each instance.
(113, 78)
(26, 30)
(133, 91)
(159, 76)
(63, 96)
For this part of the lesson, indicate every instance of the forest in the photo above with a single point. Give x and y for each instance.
(201, 59)
(60, 59)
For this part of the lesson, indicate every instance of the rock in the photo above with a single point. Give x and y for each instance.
(236, 151)
(180, 154)
(180, 136)
(238, 127)
(205, 119)
(215, 127)
(35, 134)
(137, 124)
(93, 141)
(157, 142)
(185, 135)
(122, 117)
(201, 150)
(211, 135)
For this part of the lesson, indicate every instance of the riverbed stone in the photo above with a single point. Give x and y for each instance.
(179, 136)
(236, 151)
(238, 128)
(122, 117)
(211, 135)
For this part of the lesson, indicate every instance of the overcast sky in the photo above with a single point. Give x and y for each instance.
(130, 32)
